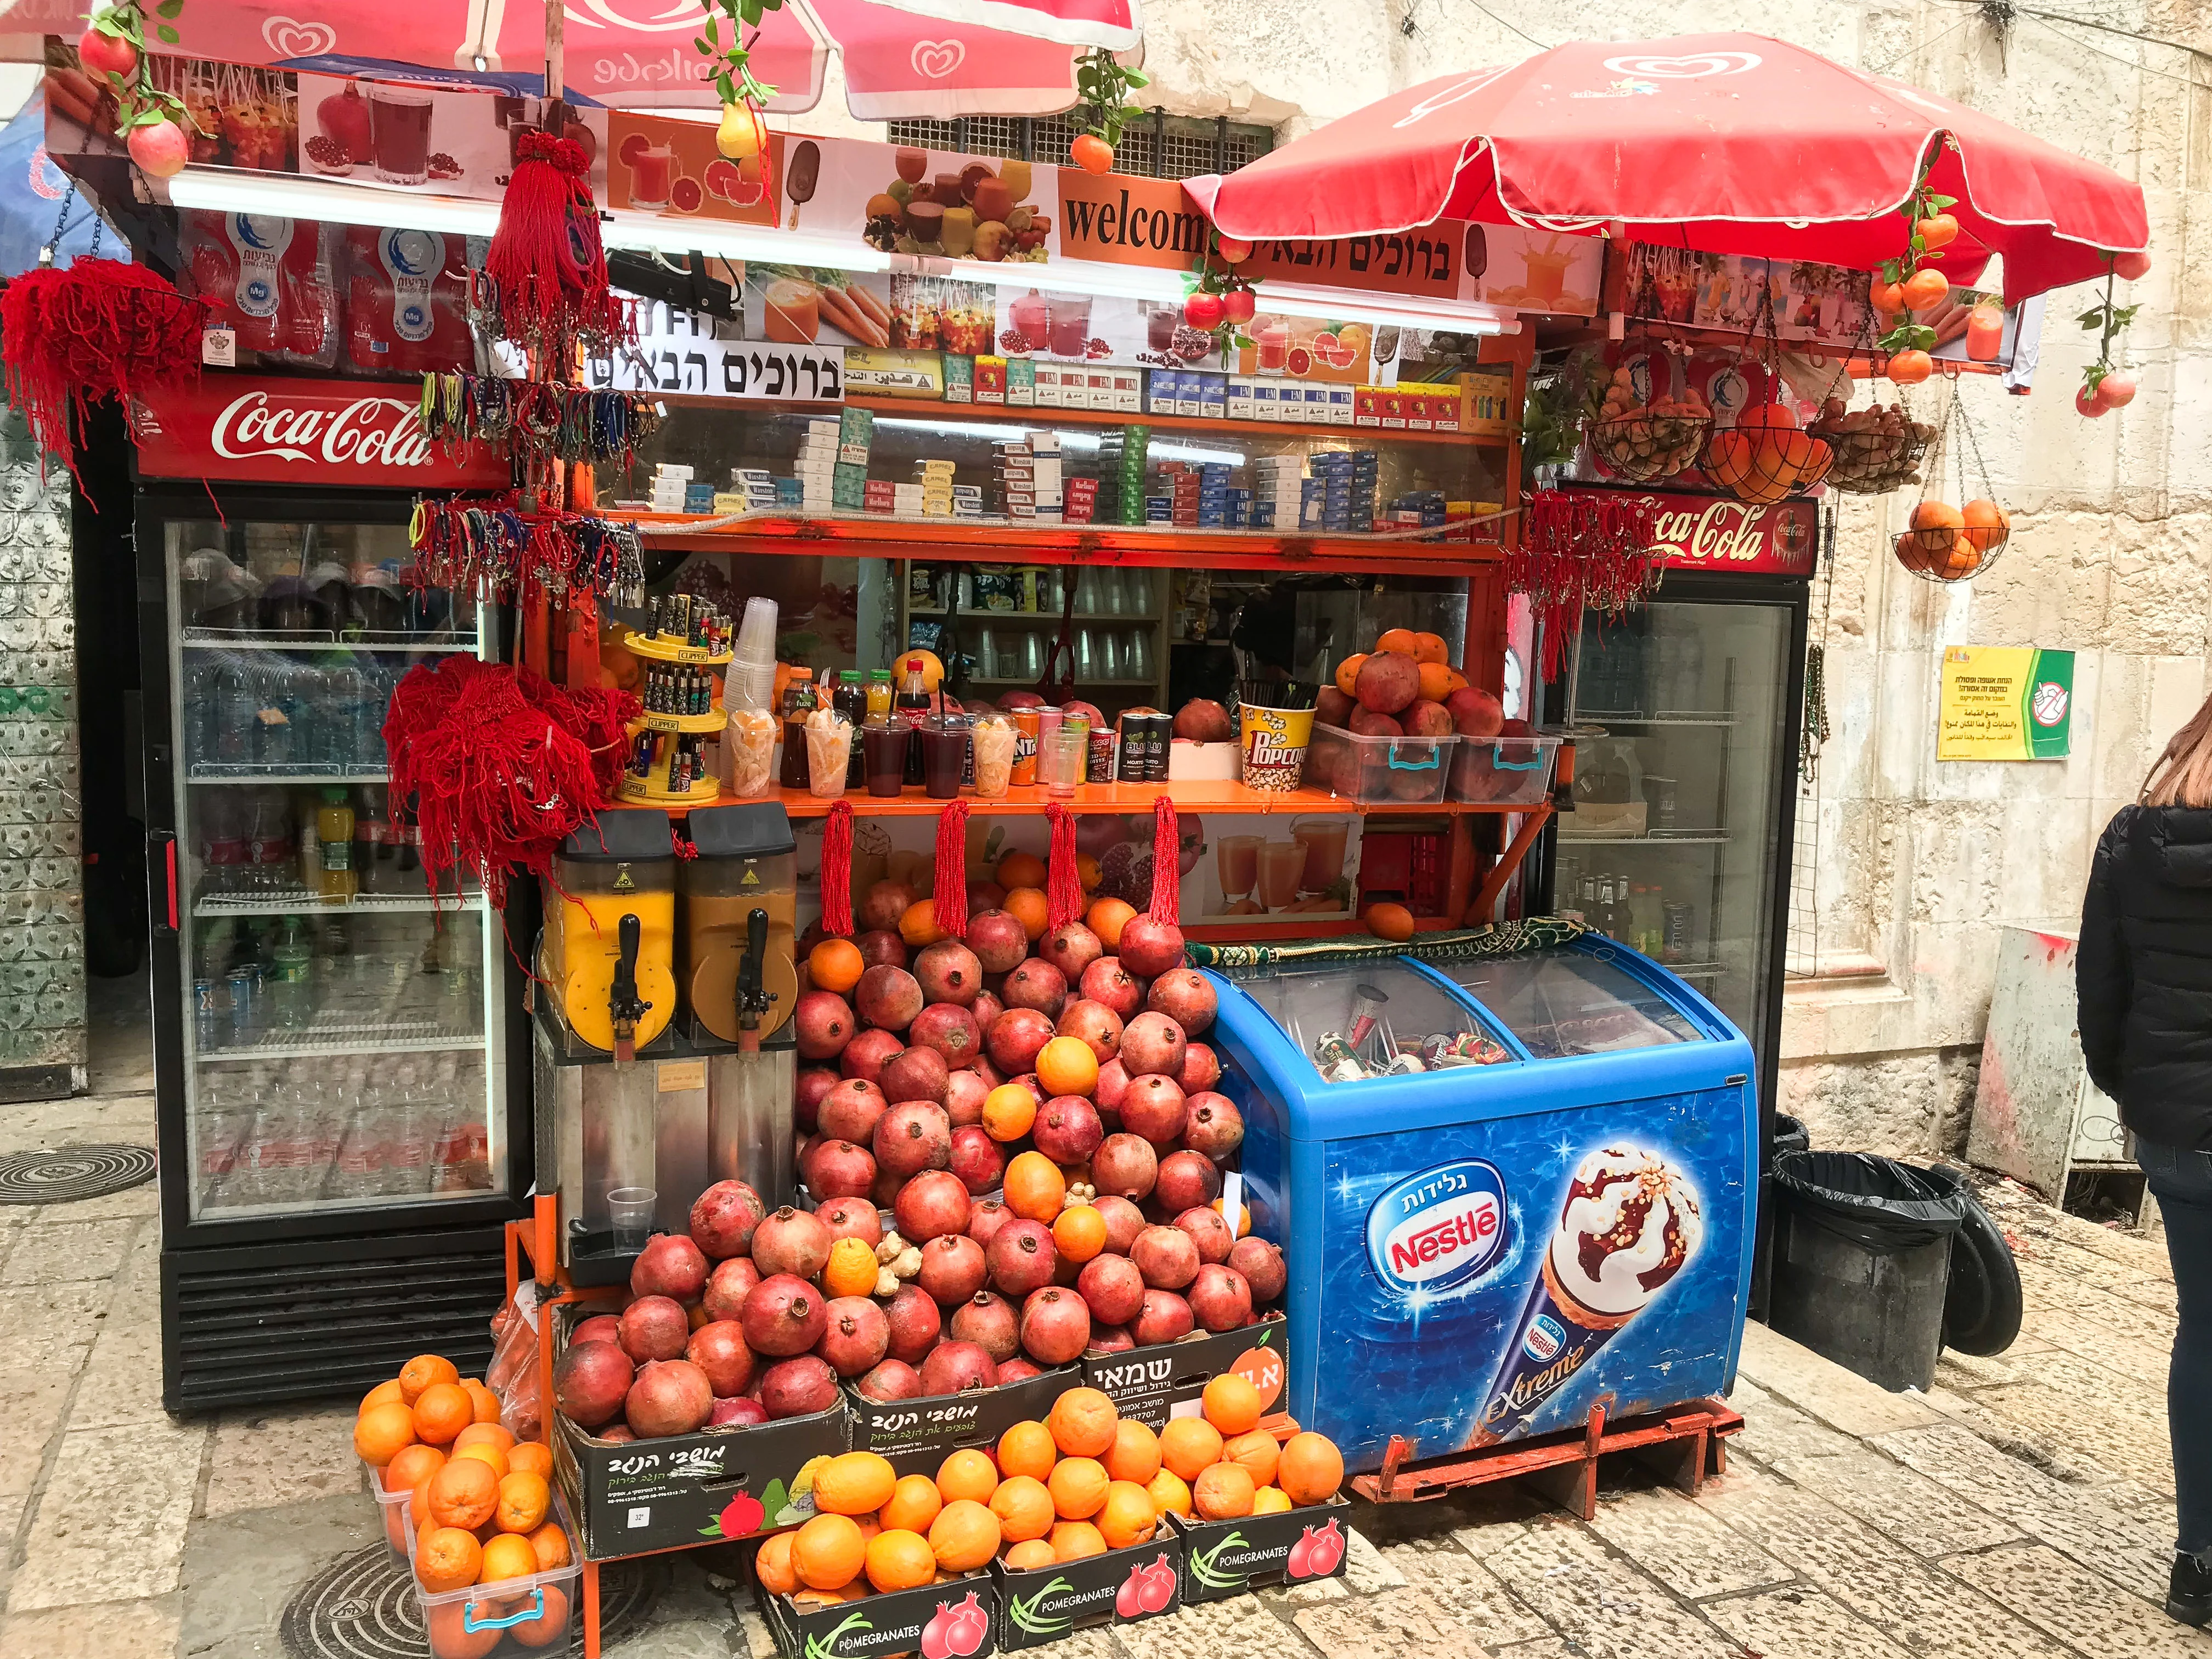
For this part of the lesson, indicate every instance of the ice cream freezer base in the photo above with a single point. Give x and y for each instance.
(1481, 1253)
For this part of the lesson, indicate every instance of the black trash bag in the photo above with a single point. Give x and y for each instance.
(1876, 1203)
(1790, 1134)
(1982, 1304)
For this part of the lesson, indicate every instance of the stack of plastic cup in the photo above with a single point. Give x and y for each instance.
(752, 667)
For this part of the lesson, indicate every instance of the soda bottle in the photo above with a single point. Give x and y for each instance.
(913, 709)
(269, 841)
(373, 851)
(334, 831)
(798, 703)
(272, 710)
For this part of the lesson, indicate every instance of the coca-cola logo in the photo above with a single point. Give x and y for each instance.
(369, 431)
(1722, 534)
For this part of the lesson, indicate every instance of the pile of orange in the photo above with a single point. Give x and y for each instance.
(1431, 656)
(479, 1502)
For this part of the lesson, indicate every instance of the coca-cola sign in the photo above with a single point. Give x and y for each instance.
(303, 432)
(1718, 532)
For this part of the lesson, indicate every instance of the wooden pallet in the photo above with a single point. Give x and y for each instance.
(1683, 1443)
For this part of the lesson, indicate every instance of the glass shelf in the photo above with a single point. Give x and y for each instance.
(218, 773)
(1642, 841)
(384, 1039)
(298, 902)
(217, 639)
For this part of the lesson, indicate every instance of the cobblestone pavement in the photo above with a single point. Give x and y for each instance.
(2021, 1511)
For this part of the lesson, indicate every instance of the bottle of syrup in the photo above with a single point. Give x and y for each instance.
(798, 703)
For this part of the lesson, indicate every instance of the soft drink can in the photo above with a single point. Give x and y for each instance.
(1048, 719)
(244, 1008)
(1027, 725)
(1160, 734)
(1136, 738)
(1674, 931)
(1104, 745)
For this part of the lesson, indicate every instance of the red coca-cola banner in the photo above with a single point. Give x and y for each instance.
(1718, 532)
(260, 430)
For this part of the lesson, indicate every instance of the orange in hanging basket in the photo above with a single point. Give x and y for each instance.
(1986, 526)
(1764, 458)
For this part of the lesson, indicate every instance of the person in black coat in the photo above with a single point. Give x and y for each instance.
(2143, 986)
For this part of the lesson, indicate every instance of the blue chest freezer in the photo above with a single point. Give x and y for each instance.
(1555, 1212)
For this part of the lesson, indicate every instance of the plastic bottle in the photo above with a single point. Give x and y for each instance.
(913, 709)
(334, 831)
(879, 693)
(269, 693)
(225, 862)
(232, 719)
(202, 683)
(291, 986)
(269, 842)
(798, 703)
(373, 848)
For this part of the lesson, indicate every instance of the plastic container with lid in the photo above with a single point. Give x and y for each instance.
(1410, 770)
(611, 930)
(748, 861)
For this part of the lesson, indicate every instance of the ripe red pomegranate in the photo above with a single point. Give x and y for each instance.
(965, 1092)
(1022, 1257)
(883, 903)
(800, 1387)
(1125, 1165)
(912, 1136)
(1093, 1023)
(793, 1243)
(1056, 1326)
(1164, 1317)
(728, 1286)
(670, 1265)
(1213, 1125)
(1185, 996)
(1036, 984)
(1107, 1093)
(1112, 1289)
(160, 148)
(599, 1327)
(1109, 1338)
(998, 939)
(1068, 1129)
(851, 1218)
(948, 1029)
(1019, 1369)
(1015, 1037)
(1153, 1107)
(823, 1022)
(669, 1396)
(916, 1324)
(1124, 1221)
(718, 1348)
(855, 1337)
(1071, 949)
(1187, 1180)
(881, 947)
(1208, 1231)
(655, 1327)
(953, 1269)
(590, 1381)
(814, 1083)
(849, 1111)
(1153, 1042)
(865, 1054)
(892, 1380)
(1148, 948)
(931, 1205)
(1166, 1256)
(954, 1367)
(741, 1413)
(1219, 1299)
(838, 1169)
(1262, 1264)
(1201, 1068)
(979, 1161)
(1202, 310)
(108, 54)
(989, 1322)
(987, 1007)
(985, 1219)
(915, 1074)
(723, 1218)
(949, 972)
(888, 997)
(1111, 985)
(784, 1316)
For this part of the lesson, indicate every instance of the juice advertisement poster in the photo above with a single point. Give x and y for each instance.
(1268, 867)
(441, 144)
(661, 165)
(1309, 349)
(804, 304)
(903, 198)
(1537, 271)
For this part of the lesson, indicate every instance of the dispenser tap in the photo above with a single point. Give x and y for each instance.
(752, 993)
(623, 1003)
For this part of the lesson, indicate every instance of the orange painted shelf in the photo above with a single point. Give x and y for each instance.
(1036, 415)
(1121, 797)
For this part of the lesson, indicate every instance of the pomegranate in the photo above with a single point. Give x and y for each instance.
(823, 1022)
(882, 904)
(1124, 1221)
(851, 1218)
(892, 1380)
(783, 1315)
(1154, 1107)
(915, 1135)
(947, 1029)
(1056, 1326)
(1071, 949)
(1036, 984)
(965, 1092)
(590, 1382)
(599, 1327)
(728, 1286)
(999, 940)
(1022, 1257)
(1113, 1288)
(1018, 1369)
(1262, 1264)
(1125, 1165)
(345, 118)
(799, 1387)
(856, 1336)
(931, 1205)
(718, 1348)
(790, 1242)
(956, 1367)
(953, 1269)
(988, 1321)
(1164, 1317)
(1110, 984)
(849, 1111)
(985, 1219)
(670, 1265)
(1201, 1068)
(838, 1169)
(884, 1192)
(887, 998)
(1153, 1042)
(1068, 1129)
(987, 1007)
(1185, 996)
(881, 947)
(949, 972)
(1213, 1125)
(1166, 1256)
(1093, 1023)
(1148, 948)
(1112, 1087)
(741, 1413)
(1208, 1230)
(655, 1327)
(915, 1322)
(865, 1055)
(814, 1083)
(669, 1396)
(915, 1074)
(1219, 1299)
(723, 1218)
(617, 1435)
(979, 1161)
(1016, 1038)
(1108, 1338)
(1187, 1180)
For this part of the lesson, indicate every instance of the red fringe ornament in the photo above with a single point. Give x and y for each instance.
(949, 898)
(71, 336)
(1167, 862)
(1581, 549)
(837, 872)
(547, 266)
(1063, 884)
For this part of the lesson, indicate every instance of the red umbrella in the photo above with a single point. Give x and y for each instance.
(1727, 144)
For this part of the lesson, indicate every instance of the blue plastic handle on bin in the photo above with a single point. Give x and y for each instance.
(535, 1610)
(1497, 759)
(1436, 759)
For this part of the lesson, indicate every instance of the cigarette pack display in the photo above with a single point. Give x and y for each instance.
(1264, 403)
(959, 379)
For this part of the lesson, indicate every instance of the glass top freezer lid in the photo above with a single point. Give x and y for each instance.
(1562, 1001)
(1370, 1019)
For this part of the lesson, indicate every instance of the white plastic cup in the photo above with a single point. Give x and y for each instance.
(629, 1215)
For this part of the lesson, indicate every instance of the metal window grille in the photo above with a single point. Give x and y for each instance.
(1157, 147)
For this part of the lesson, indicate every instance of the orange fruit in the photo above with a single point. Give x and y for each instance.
(1403, 640)
(418, 1505)
(803, 1597)
(1082, 1423)
(383, 1432)
(852, 1268)
(898, 1559)
(963, 1537)
(1135, 1453)
(1073, 1539)
(474, 1434)
(529, 1458)
(1258, 1451)
(1168, 1493)
(1027, 906)
(869, 1524)
(489, 1456)
(463, 1493)
(382, 1393)
(1271, 1500)
(1078, 1232)
(448, 1558)
(854, 1483)
(827, 1551)
(1347, 672)
(1087, 873)
(835, 965)
(1311, 1469)
(1078, 1487)
(552, 1545)
(551, 1624)
(1430, 647)
(523, 1501)
(1020, 870)
(914, 1504)
(1243, 1215)
(1222, 1491)
(1024, 1507)
(420, 1372)
(1067, 1065)
(967, 1474)
(1436, 681)
(1188, 1444)
(772, 1566)
(1128, 1516)
(1937, 515)
(451, 1637)
(509, 1555)
(1030, 1552)
(485, 1401)
(1454, 681)
(1231, 1404)
(1027, 1449)
(1106, 918)
(1034, 1185)
(411, 1468)
(1392, 922)
(918, 923)
(1009, 1110)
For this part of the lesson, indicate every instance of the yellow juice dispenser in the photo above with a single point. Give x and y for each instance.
(610, 930)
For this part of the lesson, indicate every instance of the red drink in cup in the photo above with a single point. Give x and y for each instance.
(651, 173)
(399, 133)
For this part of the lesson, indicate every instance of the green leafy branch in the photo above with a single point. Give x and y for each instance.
(2104, 320)
(734, 76)
(1908, 336)
(143, 103)
(1105, 83)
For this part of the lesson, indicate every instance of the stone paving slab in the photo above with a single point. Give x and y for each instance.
(85, 1546)
(1799, 1623)
(1602, 1602)
(2078, 1607)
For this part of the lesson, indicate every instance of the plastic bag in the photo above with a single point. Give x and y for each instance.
(270, 280)
(406, 301)
(1877, 1203)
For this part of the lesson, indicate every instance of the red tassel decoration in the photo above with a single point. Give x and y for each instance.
(950, 897)
(546, 263)
(837, 872)
(1063, 885)
(70, 336)
(1167, 862)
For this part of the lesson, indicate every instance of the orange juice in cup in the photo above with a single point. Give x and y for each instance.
(792, 311)
(1282, 867)
(1236, 861)
(1323, 840)
(1985, 332)
(1548, 274)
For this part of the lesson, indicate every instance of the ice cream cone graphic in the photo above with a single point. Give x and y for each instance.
(1629, 1224)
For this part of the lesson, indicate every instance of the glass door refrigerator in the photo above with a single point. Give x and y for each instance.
(341, 1063)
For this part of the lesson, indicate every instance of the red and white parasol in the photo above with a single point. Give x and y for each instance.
(1727, 144)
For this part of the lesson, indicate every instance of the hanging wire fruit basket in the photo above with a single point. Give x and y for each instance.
(1877, 449)
(1945, 542)
(1642, 440)
(1766, 456)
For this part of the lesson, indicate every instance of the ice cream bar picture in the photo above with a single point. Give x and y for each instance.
(800, 172)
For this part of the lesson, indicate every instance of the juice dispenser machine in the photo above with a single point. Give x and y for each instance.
(1509, 1187)
(610, 944)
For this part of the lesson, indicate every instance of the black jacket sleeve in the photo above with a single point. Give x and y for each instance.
(2102, 981)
